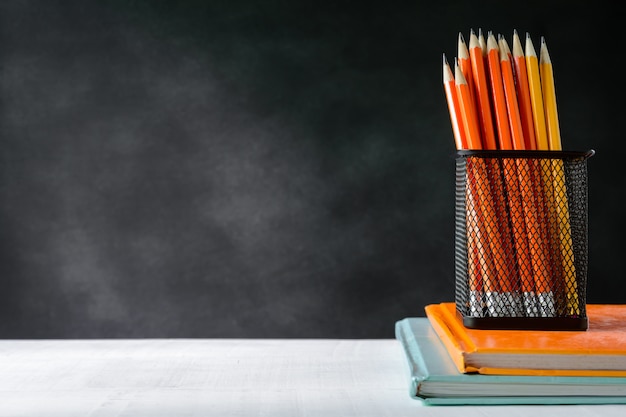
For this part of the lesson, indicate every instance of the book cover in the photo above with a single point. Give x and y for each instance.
(598, 351)
(435, 380)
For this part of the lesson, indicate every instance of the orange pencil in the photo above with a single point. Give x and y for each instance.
(523, 93)
(483, 44)
(499, 239)
(476, 253)
(468, 112)
(482, 241)
(481, 93)
(478, 176)
(523, 214)
(463, 59)
(454, 109)
(510, 96)
(497, 93)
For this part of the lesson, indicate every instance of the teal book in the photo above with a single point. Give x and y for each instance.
(435, 380)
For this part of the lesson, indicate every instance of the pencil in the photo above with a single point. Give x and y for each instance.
(523, 93)
(516, 175)
(549, 98)
(497, 93)
(481, 87)
(476, 253)
(544, 190)
(482, 42)
(483, 241)
(454, 109)
(536, 96)
(483, 46)
(504, 303)
(474, 235)
(466, 104)
(463, 58)
(554, 141)
(510, 97)
(479, 175)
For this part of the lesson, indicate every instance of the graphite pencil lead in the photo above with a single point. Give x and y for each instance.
(473, 43)
(544, 56)
(517, 45)
(462, 48)
(491, 42)
(530, 48)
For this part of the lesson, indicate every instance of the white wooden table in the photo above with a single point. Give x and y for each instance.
(225, 377)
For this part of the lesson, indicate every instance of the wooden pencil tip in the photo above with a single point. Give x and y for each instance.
(445, 61)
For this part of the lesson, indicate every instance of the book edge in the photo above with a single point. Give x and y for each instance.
(452, 337)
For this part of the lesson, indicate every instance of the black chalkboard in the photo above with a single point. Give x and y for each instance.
(259, 169)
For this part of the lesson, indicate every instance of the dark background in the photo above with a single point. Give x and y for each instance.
(261, 169)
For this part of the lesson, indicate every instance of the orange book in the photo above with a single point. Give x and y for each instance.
(598, 351)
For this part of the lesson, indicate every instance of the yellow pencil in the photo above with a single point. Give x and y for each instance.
(536, 97)
(544, 193)
(549, 98)
(560, 195)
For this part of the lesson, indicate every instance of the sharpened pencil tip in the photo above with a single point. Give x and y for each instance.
(445, 61)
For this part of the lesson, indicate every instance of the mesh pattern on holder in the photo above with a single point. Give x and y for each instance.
(521, 239)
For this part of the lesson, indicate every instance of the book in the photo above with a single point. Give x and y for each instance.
(598, 351)
(435, 380)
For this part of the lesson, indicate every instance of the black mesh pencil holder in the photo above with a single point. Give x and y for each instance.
(521, 239)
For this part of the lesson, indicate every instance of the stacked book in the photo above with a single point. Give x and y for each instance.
(452, 364)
